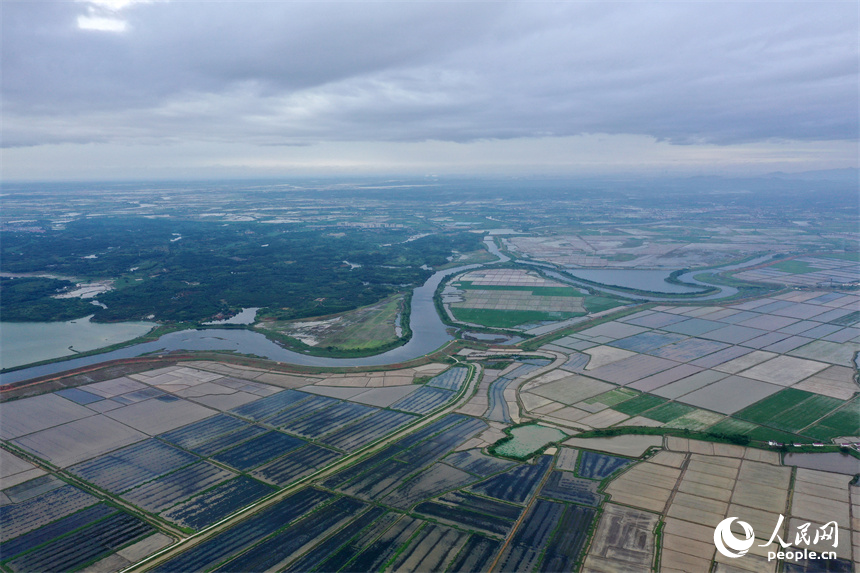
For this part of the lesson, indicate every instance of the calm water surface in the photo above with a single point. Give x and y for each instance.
(428, 334)
(27, 342)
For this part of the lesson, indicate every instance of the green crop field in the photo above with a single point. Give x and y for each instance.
(695, 420)
(639, 404)
(805, 413)
(600, 303)
(536, 291)
(773, 405)
(732, 426)
(843, 422)
(669, 411)
(507, 318)
(764, 434)
(612, 397)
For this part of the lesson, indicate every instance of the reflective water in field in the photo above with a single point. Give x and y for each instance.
(830, 462)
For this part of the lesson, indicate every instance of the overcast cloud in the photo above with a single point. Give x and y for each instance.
(342, 78)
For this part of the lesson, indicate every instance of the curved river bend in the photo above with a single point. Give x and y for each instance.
(428, 334)
(428, 331)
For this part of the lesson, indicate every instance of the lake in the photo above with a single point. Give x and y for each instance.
(27, 342)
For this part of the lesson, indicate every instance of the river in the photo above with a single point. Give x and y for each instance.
(428, 334)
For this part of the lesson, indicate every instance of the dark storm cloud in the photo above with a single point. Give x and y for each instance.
(297, 73)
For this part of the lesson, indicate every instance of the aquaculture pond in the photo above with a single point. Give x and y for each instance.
(529, 439)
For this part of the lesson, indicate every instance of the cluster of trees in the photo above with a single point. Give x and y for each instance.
(30, 300)
(191, 271)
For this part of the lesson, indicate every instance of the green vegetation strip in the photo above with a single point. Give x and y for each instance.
(639, 404)
(669, 411)
(507, 318)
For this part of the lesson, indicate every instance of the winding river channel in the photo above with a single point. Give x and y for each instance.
(428, 331)
(428, 334)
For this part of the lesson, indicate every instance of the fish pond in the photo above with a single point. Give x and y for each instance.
(525, 440)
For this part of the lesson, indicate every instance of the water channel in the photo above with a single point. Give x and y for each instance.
(428, 331)
(428, 334)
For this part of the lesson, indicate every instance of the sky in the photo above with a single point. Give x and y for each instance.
(131, 89)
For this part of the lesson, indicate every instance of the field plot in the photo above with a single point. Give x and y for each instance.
(163, 492)
(298, 464)
(55, 529)
(259, 450)
(30, 415)
(639, 404)
(477, 555)
(624, 541)
(805, 271)
(525, 547)
(836, 381)
(843, 422)
(246, 432)
(270, 405)
(160, 414)
(311, 560)
(35, 512)
(516, 485)
(338, 559)
(198, 433)
(79, 440)
(647, 485)
(32, 488)
(564, 486)
(668, 411)
(14, 470)
(564, 550)
(431, 550)
(450, 379)
(600, 466)
(510, 297)
(82, 546)
(695, 420)
(631, 369)
(774, 406)
(379, 552)
(430, 482)
(217, 503)
(327, 420)
(466, 517)
(423, 401)
(476, 463)
(665, 377)
(367, 430)
(284, 545)
(246, 533)
(299, 410)
(572, 389)
(132, 466)
(730, 394)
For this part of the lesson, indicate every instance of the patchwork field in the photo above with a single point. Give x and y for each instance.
(191, 445)
(776, 368)
(507, 298)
